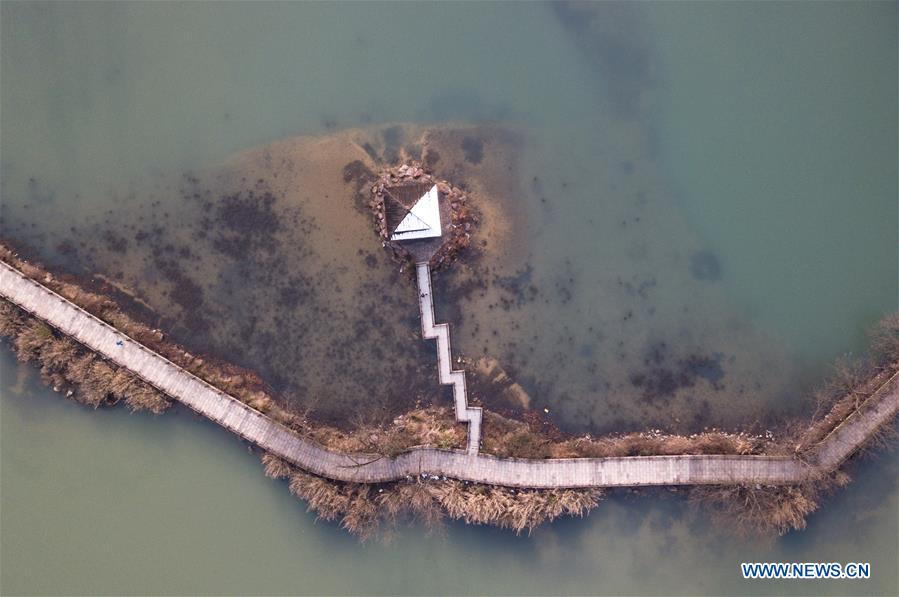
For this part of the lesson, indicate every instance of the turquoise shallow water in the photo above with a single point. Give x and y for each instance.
(774, 174)
(761, 136)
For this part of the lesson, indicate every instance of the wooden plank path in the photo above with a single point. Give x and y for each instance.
(440, 331)
(255, 427)
(878, 410)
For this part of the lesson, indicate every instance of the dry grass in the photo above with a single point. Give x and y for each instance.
(142, 397)
(64, 363)
(515, 509)
(30, 339)
(352, 504)
(434, 426)
(846, 392)
(275, 468)
(523, 443)
(766, 509)
(374, 510)
(885, 340)
(504, 437)
(654, 443)
(57, 356)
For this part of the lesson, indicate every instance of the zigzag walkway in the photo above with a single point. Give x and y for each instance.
(255, 427)
(464, 413)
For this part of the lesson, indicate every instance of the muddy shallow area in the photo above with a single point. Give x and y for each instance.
(270, 260)
(623, 321)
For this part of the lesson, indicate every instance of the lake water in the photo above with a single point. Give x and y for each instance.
(718, 179)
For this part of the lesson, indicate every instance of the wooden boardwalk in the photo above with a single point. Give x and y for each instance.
(445, 373)
(878, 410)
(464, 465)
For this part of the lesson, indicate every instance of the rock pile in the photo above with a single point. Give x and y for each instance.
(463, 217)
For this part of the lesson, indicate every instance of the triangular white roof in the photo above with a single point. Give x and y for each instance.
(411, 223)
(423, 220)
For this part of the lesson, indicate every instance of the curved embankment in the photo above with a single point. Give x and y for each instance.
(879, 409)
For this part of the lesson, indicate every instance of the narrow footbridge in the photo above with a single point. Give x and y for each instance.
(466, 465)
(464, 413)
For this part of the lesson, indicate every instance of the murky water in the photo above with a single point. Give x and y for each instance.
(111, 503)
(709, 215)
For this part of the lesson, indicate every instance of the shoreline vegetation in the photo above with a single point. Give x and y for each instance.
(373, 509)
